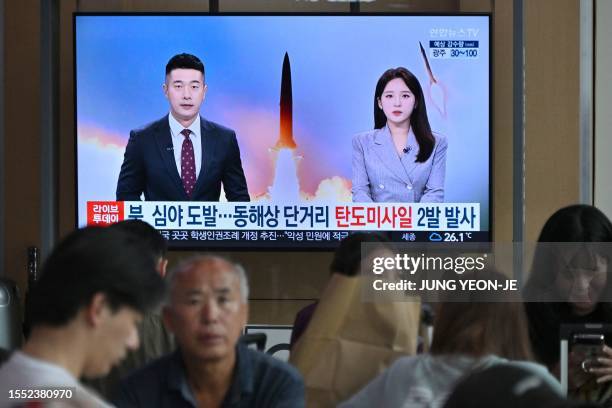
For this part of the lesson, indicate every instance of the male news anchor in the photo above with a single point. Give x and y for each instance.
(182, 157)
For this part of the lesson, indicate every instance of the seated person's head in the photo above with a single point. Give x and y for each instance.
(577, 223)
(347, 257)
(477, 326)
(574, 270)
(94, 287)
(149, 237)
(207, 308)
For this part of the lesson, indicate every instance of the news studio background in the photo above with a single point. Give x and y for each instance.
(300, 187)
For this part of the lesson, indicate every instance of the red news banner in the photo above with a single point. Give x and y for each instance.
(300, 216)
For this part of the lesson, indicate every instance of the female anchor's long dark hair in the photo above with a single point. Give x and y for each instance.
(576, 223)
(418, 118)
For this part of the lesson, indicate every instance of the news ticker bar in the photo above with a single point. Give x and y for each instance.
(301, 239)
(254, 216)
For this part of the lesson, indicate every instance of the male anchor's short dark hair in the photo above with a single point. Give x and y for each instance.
(95, 260)
(147, 235)
(184, 61)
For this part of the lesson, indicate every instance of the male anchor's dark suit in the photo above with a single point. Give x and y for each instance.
(149, 166)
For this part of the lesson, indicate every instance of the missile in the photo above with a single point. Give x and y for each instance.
(285, 139)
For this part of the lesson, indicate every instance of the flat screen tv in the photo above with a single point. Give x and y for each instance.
(287, 122)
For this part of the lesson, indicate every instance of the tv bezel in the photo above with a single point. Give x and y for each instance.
(288, 248)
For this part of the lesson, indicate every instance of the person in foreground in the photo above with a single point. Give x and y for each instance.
(504, 386)
(93, 290)
(350, 339)
(155, 338)
(207, 311)
(401, 160)
(182, 157)
(346, 262)
(570, 283)
(468, 335)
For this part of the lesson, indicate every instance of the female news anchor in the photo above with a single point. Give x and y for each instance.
(400, 160)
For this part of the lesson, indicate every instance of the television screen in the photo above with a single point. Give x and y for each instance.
(304, 134)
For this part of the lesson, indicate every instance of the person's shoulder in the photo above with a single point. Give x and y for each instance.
(492, 360)
(216, 127)
(9, 371)
(531, 366)
(535, 369)
(266, 364)
(151, 126)
(441, 140)
(366, 136)
(21, 370)
(407, 364)
(365, 140)
(421, 367)
(151, 372)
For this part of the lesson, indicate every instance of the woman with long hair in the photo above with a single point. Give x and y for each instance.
(570, 283)
(401, 160)
(468, 335)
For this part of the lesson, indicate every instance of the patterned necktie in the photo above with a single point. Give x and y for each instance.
(188, 173)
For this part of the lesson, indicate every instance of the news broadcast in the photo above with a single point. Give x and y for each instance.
(284, 131)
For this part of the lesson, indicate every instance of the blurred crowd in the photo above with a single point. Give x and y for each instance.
(109, 324)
